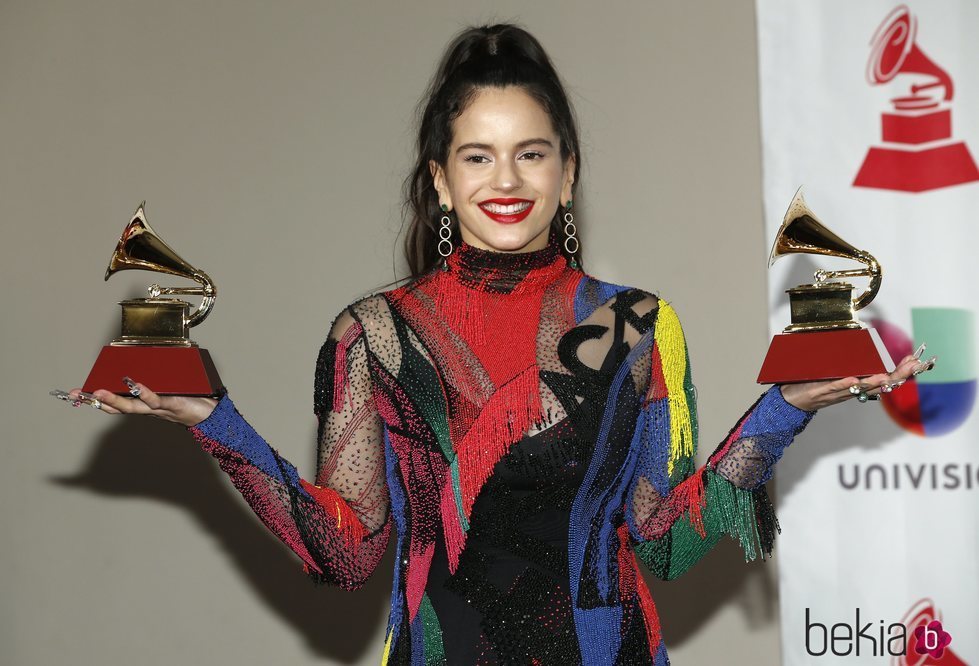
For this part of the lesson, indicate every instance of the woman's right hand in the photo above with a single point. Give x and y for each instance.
(182, 409)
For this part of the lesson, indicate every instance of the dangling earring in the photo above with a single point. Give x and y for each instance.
(445, 233)
(569, 230)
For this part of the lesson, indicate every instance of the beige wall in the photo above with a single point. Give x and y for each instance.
(269, 141)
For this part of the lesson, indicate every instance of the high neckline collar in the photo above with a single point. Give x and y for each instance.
(502, 272)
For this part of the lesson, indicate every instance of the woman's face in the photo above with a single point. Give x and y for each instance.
(504, 177)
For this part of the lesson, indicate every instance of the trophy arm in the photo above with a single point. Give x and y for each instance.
(872, 271)
(210, 292)
(875, 273)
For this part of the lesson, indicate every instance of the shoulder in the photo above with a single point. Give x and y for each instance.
(593, 293)
(645, 312)
(365, 314)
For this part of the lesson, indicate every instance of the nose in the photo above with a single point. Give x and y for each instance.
(506, 177)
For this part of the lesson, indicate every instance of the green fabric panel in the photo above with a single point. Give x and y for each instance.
(688, 547)
(457, 493)
(434, 649)
(422, 383)
(727, 510)
(655, 555)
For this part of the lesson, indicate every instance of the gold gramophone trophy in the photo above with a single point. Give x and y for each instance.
(154, 346)
(825, 339)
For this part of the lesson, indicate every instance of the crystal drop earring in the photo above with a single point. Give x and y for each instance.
(570, 230)
(445, 235)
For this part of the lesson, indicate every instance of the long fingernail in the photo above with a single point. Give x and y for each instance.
(921, 350)
(133, 389)
(925, 366)
(88, 399)
(64, 395)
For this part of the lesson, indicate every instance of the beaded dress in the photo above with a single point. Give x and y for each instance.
(524, 434)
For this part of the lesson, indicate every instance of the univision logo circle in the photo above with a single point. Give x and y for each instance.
(939, 401)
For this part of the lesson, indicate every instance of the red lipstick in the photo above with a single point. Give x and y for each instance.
(506, 218)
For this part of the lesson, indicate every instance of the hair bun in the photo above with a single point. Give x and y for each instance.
(489, 46)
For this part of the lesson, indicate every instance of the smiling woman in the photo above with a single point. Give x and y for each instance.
(527, 431)
(504, 167)
(496, 129)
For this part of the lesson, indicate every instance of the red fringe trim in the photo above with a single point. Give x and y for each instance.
(631, 583)
(657, 383)
(732, 438)
(462, 308)
(455, 536)
(695, 500)
(348, 525)
(505, 418)
(341, 387)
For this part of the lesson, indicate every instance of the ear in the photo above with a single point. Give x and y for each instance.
(569, 166)
(438, 179)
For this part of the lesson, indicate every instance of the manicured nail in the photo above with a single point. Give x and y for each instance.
(133, 389)
(919, 351)
(88, 399)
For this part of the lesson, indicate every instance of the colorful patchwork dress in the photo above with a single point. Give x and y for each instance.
(524, 433)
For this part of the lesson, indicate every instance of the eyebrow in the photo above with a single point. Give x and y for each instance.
(522, 144)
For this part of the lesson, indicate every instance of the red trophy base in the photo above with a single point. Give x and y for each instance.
(816, 355)
(917, 170)
(165, 370)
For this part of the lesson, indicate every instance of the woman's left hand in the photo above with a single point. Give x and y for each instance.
(810, 396)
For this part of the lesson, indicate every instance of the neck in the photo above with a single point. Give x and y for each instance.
(502, 272)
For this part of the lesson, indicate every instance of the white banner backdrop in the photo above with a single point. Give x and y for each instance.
(873, 107)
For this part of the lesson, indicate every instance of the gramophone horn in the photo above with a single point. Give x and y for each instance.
(141, 248)
(894, 51)
(802, 233)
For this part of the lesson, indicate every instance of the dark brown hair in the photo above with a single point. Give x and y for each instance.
(478, 57)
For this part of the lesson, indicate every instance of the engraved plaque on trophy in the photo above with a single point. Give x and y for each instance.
(154, 345)
(825, 340)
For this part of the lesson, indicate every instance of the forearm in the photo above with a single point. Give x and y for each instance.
(748, 455)
(315, 522)
(725, 496)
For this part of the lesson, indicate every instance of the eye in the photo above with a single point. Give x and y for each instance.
(476, 159)
(533, 155)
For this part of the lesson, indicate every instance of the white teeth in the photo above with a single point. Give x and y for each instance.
(511, 209)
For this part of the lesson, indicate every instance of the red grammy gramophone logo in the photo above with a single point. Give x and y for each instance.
(919, 153)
